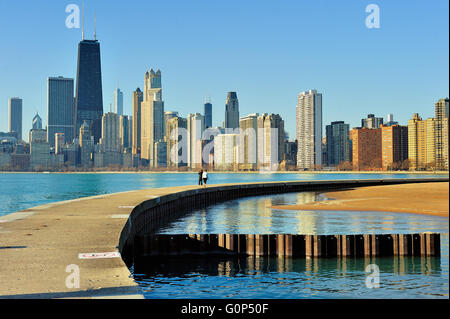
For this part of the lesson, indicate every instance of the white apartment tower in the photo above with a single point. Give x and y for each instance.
(309, 129)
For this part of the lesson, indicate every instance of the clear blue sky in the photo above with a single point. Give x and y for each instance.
(266, 51)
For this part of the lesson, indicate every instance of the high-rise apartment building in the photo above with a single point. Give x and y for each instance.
(309, 129)
(39, 149)
(152, 116)
(394, 143)
(15, 116)
(226, 151)
(89, 96)
(248, 142)
(177, 140)
(337, 143)
(366, 148)
(110, 140)
(138, 97)
(60, 108)
(232, 111)
(442, 126)
(270, 140)
(421, 143)
(195, 128)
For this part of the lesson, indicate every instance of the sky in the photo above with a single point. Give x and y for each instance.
(266, 51)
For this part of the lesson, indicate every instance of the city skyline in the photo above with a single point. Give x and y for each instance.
(375, 94)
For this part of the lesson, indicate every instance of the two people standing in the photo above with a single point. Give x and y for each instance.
(202, 177)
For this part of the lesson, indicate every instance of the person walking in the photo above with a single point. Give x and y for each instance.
(205, 177)
(200, 176)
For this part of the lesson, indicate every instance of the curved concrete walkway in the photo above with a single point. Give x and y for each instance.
(38, 244)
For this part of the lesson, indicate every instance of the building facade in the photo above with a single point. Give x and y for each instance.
(118, 101)
(232, 111)
(309, 129)
(337, 143)
(366, 148)
(371, 121)
(394, 146)
(421, 143)
(60, 108)
(15, 116)
(89, 94)
(137, 101)
(442, 125)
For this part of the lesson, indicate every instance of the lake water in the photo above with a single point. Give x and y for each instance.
(269, 277)
(24, 190)
(257, 277)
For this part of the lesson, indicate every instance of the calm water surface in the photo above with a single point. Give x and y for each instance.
(400, 277)
(250, 277)
(22, 191)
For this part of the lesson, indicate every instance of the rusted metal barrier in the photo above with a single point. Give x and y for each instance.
(288, 245)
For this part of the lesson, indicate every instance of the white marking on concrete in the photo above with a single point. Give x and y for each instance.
(127, 206)
(152, 196)
(120, 216)
(99, 255)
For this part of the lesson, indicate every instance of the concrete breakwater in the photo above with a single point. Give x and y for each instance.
(149, 216)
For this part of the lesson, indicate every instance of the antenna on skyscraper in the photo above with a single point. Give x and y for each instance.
(95, 26)
(82, 20)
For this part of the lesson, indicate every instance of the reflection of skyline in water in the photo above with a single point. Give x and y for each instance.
(271, 277)
(253, 215)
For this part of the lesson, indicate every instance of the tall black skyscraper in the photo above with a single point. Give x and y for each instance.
(89, 98)
(208, 114)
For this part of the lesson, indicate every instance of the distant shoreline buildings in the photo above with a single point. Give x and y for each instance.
(80, 136)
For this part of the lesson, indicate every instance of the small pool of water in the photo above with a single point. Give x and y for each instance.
(296, 278)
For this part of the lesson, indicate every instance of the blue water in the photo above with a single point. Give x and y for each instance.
(400, 277)
(21, 191)
(262, 277)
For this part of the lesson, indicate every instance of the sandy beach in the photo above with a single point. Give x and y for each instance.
(429, 199)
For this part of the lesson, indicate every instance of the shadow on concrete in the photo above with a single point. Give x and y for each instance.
(113, 292)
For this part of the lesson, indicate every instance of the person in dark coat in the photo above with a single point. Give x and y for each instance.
(200, 177)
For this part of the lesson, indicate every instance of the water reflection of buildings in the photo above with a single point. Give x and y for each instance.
(331, 268)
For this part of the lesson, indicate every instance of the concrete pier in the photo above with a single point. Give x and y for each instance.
(43, 248)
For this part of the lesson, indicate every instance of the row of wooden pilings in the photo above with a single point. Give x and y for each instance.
(288, 245)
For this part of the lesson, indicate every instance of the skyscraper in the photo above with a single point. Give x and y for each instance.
(208, 114)
(174, 136)
(195, 128)
(152, 116)
(232, 111)
(309, 129)
(394, 143)
(421, 143)
(371, 121)
(37, 122)
(125, 132)
(337, 143)
(137, 101)
(118, 101)
(15, 116)
(89, 96)
(248, 141)
(60, 108)
(270, 140)
(366, 148)
(441, 116)
(86, 141)
(110, 140)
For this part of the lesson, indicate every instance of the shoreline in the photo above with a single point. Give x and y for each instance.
(410, 198)
(241, 172)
